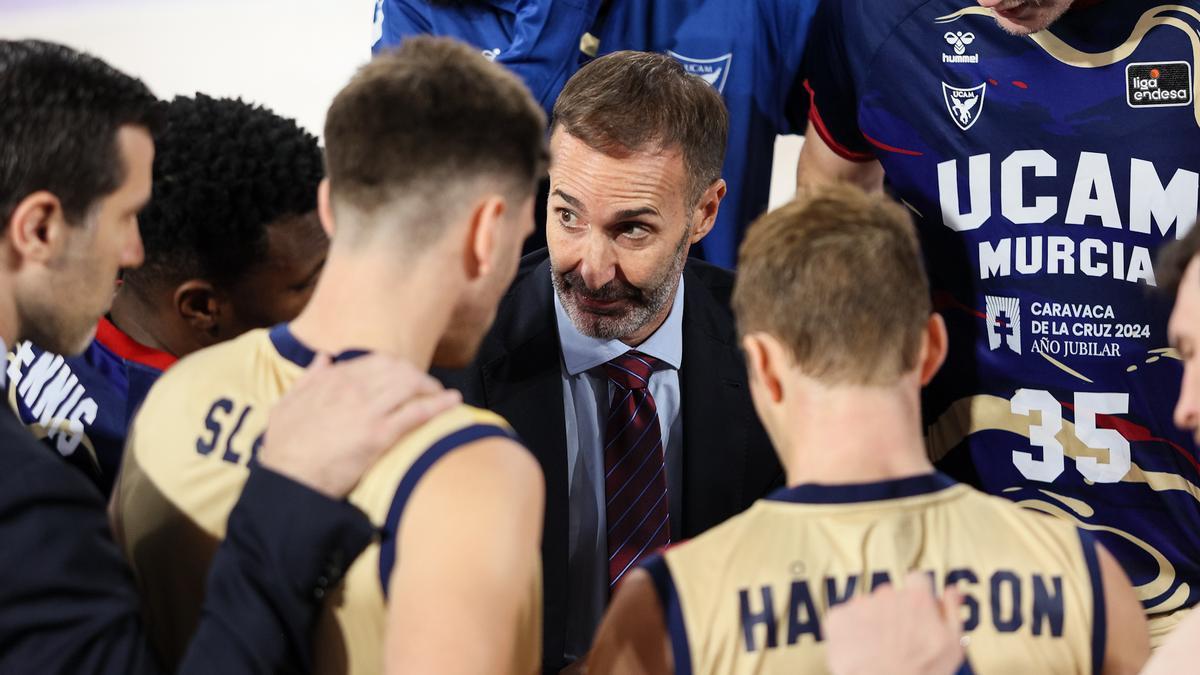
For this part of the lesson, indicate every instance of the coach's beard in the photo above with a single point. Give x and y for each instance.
(635, 306)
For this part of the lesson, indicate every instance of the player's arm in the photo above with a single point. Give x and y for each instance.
(820, 165)
(1178, 653)
(467, 553)
(1127, 641)
(835, 148)
(632, 638)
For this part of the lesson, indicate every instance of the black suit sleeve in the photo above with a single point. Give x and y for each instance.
(68, 603)
(286, 545)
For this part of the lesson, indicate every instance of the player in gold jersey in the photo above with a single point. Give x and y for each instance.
(833, 306)
(433, 155)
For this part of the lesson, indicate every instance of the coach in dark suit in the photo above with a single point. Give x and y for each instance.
(613, 356)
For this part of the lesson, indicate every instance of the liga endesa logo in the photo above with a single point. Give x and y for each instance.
(1161, 84)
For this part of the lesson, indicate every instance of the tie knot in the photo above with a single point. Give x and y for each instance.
(631, 370)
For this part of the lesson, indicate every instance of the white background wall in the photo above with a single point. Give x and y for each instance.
(291, 55)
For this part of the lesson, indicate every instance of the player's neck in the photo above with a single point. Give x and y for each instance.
(138, 319)
(370, 302)
(853, 435)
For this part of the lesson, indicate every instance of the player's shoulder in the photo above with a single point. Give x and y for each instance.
(228, 366)
(733, 537)
(454, 430)
(1041, 527)
(864, 25)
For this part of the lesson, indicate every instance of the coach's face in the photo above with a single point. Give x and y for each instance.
(1022, 17)
(1184, 332)
(619, 230)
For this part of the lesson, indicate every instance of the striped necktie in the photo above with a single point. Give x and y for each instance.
(635, 480)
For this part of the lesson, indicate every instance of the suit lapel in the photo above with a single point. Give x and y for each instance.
(523, 383)
(715, 415)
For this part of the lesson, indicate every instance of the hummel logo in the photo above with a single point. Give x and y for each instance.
(959, 40)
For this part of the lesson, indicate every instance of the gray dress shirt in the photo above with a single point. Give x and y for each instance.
(586, 399)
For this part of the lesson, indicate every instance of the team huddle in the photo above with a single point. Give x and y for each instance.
(848, 456)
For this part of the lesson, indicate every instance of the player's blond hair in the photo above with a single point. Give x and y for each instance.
(837, 277)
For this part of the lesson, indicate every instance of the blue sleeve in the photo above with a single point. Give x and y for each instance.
(537, 39)
(545, 45)
(396, 20)
(832, 71)
(788, 25)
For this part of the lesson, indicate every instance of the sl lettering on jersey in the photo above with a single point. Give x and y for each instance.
(787, 616)
(1158, 85)
(713, 71)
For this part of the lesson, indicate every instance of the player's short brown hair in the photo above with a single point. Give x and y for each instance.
(640, 101)
(837, 278)
(433, 114)
(1174, 259)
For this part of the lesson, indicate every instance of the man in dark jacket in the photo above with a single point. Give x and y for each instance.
(613, 357)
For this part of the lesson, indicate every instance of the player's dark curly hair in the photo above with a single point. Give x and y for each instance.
(60, 111)
(223, 170)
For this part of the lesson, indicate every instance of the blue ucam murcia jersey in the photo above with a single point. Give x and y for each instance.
(748, 50)
(1044, 171)
(81, 406)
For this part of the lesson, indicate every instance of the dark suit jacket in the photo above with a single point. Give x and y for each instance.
(68, 603)
(728, 461)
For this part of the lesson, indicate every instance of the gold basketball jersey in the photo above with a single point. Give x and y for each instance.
(187, 461)
(751, 595)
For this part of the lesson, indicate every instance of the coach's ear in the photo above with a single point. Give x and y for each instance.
(934, 345)
(707, 208)
(483, 232)
(325, 208)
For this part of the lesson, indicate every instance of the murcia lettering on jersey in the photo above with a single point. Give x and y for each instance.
(1152, 207)
(964, 105)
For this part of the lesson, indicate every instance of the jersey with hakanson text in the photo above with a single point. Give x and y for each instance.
(752, 595)
(81, 406)
(190, 451)
(1044, 172)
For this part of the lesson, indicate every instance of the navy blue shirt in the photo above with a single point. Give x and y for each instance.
(749, 50)
(1044, 172)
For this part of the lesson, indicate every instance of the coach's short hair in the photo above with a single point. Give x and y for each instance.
(838, 279)
(419, 120)
(634, 101)
(60, 111)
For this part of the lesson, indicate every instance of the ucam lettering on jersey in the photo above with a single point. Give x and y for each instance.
(713, 71)
(53, 395)
(1155, 209)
